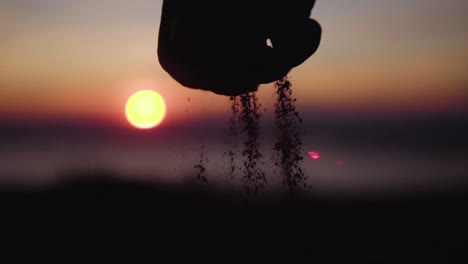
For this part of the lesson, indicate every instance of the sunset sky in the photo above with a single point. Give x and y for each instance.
(84, 58)
(79, 61)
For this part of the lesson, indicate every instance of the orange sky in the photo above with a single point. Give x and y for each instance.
(63, 58)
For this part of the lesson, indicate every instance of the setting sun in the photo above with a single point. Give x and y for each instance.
(145, 109)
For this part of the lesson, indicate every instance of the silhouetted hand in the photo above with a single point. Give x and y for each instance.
(221, 46)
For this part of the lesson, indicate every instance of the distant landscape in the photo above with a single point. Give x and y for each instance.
(378, 152)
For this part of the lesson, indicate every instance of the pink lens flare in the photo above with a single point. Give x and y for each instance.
(341, 163)
(315, 155)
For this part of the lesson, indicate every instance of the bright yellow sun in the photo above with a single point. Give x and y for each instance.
(145, 109)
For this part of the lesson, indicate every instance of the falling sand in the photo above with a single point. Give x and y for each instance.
(244, 129)
(287, 149)
(244, 125)
(201, 175)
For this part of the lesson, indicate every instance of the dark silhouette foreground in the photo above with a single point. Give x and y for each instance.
(128, 221)
(221, 46)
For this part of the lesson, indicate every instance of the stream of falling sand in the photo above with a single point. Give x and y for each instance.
(244, 128)
(287, 149)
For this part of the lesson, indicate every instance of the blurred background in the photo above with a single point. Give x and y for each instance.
(384, 100)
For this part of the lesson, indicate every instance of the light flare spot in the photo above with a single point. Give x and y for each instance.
(341, 163)
(315, 155)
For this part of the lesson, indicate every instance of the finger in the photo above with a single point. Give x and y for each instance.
(295, 42)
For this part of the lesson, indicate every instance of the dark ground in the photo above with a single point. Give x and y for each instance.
(133, 221)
